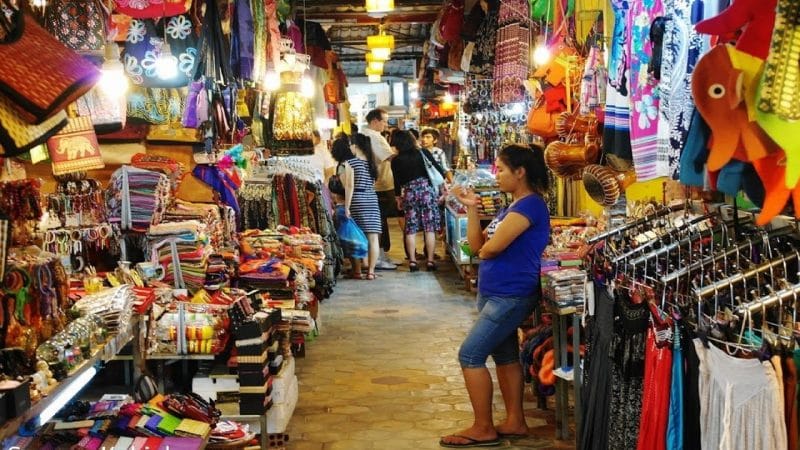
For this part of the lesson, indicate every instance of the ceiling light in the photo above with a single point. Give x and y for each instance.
(374, 63)
(380, 41)
(373, 72)
(378, 8)
(374, 78)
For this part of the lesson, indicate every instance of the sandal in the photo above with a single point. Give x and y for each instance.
(412, 266)
(356, 276)
(431, 266)
(371, 276)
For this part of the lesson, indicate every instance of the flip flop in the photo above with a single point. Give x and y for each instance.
(472, 442)
(511, 436)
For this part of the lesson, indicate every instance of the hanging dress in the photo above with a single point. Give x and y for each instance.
(616, 134)
(644, 94)
(627, 372)
(596, 391)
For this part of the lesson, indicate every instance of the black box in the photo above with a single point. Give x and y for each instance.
(17, 400)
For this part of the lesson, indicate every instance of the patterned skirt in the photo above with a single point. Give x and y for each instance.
(421, 207)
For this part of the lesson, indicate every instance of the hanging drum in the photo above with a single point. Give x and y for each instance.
(568, 160)
(605, 185)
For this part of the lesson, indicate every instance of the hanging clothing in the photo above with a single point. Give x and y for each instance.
(675, 422)
(656, 395)
(682, 47)
(627, 371)
(644, 96)
(733, 392)
(596, 391)
(616, 135)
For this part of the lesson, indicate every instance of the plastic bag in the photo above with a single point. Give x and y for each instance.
(353, 240)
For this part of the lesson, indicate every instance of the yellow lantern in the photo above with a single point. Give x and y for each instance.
(379, 6)
(374, 78)
(380, 41)
(373, 62)
(381, 54)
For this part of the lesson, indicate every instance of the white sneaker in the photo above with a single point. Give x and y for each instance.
(385, 265)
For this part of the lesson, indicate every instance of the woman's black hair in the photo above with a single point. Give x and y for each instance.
(340, 150)
(532, 159)
(363, 142)
(404, 142)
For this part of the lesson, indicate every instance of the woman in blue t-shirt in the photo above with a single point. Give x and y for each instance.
(510, 249)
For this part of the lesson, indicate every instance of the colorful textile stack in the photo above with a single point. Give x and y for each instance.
(137, 198)
(191, 249)
(206, 213)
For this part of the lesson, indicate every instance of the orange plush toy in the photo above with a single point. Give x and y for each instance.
(717, 88)
(756, 18)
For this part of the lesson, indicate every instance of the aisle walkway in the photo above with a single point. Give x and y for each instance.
(384, 375)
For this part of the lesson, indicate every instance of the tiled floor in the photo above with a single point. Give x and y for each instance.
(384, 374)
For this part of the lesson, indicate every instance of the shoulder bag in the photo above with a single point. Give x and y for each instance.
(434, 174)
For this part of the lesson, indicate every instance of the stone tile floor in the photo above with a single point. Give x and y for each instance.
(383, 373)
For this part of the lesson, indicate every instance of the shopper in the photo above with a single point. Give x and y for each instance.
(510, 250)
(428, 140)
(358, 175)
(384, 184)
(416, 197)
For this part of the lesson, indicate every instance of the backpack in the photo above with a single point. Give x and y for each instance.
(335, 184)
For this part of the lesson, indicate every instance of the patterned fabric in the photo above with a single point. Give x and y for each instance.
(627, 372)
(18, 136)
(144, 44)
(644, 95)
(243, 41)
(157, 105)
(78, 25)
(364, 205)
(681, 48)
(150, 9)
(482, 63)
(421, 207)
(75, 147)
(616, 135)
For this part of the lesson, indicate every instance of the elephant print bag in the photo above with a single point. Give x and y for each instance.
(75, 147)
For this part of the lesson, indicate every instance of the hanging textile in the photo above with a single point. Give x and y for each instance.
(644, 95)
(616, 133)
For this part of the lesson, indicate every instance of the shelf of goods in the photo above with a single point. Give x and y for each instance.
(41, 411)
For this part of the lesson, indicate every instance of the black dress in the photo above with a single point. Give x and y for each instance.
(627, 371)
(596, 391)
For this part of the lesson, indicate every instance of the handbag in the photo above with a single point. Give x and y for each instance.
(335, 184)
(436, 177)
(151, 9)
(41, 86)
(80, 25)
(145, 42)
(18, 136)
(75, 147)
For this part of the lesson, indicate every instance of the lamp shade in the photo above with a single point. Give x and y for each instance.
(380, 41)
(379, 6)
(380, 54)
(374, 78)
(373, 72)
(373, 62)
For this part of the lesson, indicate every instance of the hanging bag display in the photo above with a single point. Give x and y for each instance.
(40, 87)
(151, 9)
(147, 40)
(18, 136)
(80, 25)
(75, 147)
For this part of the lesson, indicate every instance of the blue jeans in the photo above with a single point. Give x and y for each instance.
(495, 331)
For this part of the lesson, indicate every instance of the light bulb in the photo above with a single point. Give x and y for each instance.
(541, 55)
(447, 99)
(38, 3)
(166, 64)
(272, 80)
(307, 87)
(113, 82)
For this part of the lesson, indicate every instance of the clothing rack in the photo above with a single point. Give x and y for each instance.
(636, 223)
(712, 288)
(788, 294)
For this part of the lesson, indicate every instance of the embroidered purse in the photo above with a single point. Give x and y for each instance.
(80, 25)
(145, 43)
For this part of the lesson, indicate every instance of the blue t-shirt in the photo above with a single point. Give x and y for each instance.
(515, 271)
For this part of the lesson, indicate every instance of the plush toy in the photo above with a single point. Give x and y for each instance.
(771, 170)
(717, 88)
(755, 17)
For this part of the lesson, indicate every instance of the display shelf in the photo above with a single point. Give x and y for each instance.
(192, 357)
(64, 391)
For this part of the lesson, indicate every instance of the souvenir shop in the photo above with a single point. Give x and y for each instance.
(161, 203)
(671, 319)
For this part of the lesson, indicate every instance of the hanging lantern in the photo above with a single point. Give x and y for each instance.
(381, 54)
(374, 63)
(378, 8)
(380, 41)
